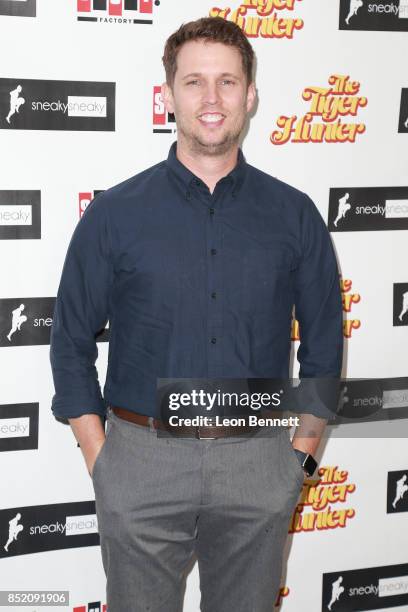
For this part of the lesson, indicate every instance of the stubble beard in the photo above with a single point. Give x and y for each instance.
(212, 149)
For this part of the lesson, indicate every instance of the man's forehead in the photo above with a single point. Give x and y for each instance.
(197, 56)
(203, 47)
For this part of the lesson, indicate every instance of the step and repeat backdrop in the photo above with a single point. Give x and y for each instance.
(81, 110)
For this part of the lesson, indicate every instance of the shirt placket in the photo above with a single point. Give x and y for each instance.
(214, 289)
(215, 296)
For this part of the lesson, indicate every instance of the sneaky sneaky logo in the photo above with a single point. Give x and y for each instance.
(28, 322)
(20, 214)
(368, 209)
(125, 12)
(30, 104)
(33, 529)
(387, 15)
(371, 588)
(18, 427)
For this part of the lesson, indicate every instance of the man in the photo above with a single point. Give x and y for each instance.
(196, 263)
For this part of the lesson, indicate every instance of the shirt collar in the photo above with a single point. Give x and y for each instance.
(187, 177)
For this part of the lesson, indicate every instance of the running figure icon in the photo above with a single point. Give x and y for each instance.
(17, 320)
(402, 488)
(14, 530)
(344, 206)
(15, 102)
(337, 590)
(404, 305)
(354, 6)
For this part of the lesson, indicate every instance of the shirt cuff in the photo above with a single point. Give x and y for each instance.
(67, 408)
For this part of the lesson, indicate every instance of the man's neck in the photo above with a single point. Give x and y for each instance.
(210, 169)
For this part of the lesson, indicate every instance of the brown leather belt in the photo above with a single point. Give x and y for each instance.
(199, 432)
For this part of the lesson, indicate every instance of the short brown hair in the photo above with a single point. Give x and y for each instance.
(215, 29)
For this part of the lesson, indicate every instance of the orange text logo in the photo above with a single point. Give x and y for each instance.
(319, 496)
(283, 592)
(261, 18)
(330, 104)
(348, 299)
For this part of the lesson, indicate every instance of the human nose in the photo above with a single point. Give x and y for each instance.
(211, 93)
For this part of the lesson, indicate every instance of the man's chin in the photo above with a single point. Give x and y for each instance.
(214, 147)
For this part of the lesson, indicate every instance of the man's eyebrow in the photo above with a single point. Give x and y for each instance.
(191, 74)
(198, 74)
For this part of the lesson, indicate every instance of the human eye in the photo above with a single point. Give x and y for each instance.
(227, 82)
(193, 82)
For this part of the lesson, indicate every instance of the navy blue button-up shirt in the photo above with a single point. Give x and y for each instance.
(194, 285)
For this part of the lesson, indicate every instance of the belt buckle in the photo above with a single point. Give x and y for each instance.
(202, 437)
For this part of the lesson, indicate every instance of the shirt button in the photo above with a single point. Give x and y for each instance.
(211, 211)
(197, 182)
(213, 340)
(213, 251)
(214, 295)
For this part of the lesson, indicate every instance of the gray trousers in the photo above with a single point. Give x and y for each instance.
(161, 503)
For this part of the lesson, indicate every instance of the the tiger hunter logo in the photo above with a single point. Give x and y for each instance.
(330, 104)
(263, 18)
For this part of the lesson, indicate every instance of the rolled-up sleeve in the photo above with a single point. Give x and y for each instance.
(81, 311)
(318, 307)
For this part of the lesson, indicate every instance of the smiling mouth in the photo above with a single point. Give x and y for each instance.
(212, 118)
